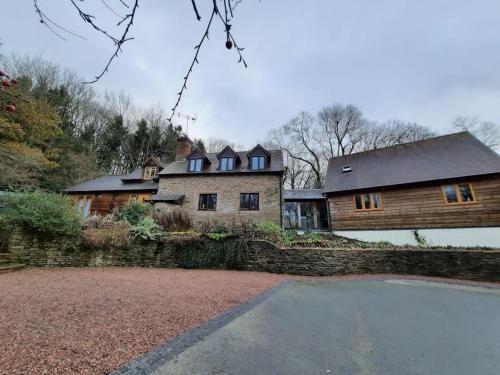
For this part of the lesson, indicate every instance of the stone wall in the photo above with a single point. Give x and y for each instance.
(263, 256)
(461, 264)
(228, 189)
(45, 251)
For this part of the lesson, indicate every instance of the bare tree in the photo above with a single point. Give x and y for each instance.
(214, 144)
(392, 132)
(486, 131)
(298, 139)
(341, 129)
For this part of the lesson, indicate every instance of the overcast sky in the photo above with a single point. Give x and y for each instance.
(425, 61)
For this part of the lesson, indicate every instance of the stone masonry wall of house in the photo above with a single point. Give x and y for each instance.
(264, 256)
(228, 189)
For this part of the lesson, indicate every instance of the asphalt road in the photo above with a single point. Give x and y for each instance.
(356, 327)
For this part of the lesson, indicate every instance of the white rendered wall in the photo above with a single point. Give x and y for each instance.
(489, 236)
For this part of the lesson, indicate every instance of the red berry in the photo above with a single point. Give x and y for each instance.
(229, 44)
(10, 107)
(6, 83)
(14, 81)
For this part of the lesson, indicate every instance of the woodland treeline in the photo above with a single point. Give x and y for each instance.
(66, 132)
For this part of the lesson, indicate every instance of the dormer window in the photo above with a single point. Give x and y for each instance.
(258, 158)
(150, 173)
(258, 162)
(226, 164)
(195, 165)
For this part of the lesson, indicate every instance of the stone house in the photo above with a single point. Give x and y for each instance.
(227, 188)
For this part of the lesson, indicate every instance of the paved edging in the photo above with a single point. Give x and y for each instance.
(153, 359)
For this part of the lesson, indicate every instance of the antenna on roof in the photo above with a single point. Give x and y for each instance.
(188, 117)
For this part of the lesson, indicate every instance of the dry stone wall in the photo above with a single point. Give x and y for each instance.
(35, 250)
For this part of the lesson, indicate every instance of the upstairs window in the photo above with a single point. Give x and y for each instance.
(208, 202)
(459, 193)
(226, 164)
(367, 201)
(249, 201)
(150, 173)
(258, 162)
(195, 165)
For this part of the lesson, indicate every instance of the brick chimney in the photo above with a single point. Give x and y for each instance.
(183, 148)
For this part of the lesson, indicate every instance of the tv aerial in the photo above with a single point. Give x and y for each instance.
(187, 117)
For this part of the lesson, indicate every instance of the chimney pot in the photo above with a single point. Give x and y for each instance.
(183, 148)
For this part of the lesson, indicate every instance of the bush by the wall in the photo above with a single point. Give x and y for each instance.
(133, 212)
(41, 211)
(105, 232)
(147, 229)
(206, 253)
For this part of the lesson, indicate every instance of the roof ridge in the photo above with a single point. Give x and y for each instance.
(404, 144)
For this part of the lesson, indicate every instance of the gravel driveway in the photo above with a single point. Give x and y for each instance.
(90, 321)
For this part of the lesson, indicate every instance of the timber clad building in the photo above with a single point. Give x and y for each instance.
(447, 188)
(452, 181)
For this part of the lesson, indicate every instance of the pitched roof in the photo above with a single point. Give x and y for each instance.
(111, 183)
(166, 196)
(303, 194)
(445, 157)
(180, 167)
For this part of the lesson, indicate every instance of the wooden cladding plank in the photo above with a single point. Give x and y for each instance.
(422, 207)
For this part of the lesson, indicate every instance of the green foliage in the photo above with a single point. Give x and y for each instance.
(133, 212)
(311, 237)
(204, 253)
(421, 241)
(105, 232)
(190, 233)
(274, 232)
(269, 228)
(147, 229)
(44, 212)
(219, 236)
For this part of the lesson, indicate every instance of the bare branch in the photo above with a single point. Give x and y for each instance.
(230, 36)
(111, 9)
(46, 21)
(195, 60)
(120, 42)
(198, 17)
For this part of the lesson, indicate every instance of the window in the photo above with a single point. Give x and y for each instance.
(459, 193)
(195, 165)
(150, 173)
(226, 164)
(368, 201)
(83, 204)
(257, 162)
(208, 202)
(249, 201)
(133, 197)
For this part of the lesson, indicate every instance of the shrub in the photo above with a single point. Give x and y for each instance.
(269, 228)
(105, 232)
(274, 232)
(44, 212)
(219, 236)
(147, 229)
(311, 237)
(174, 221)
(133, 212)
